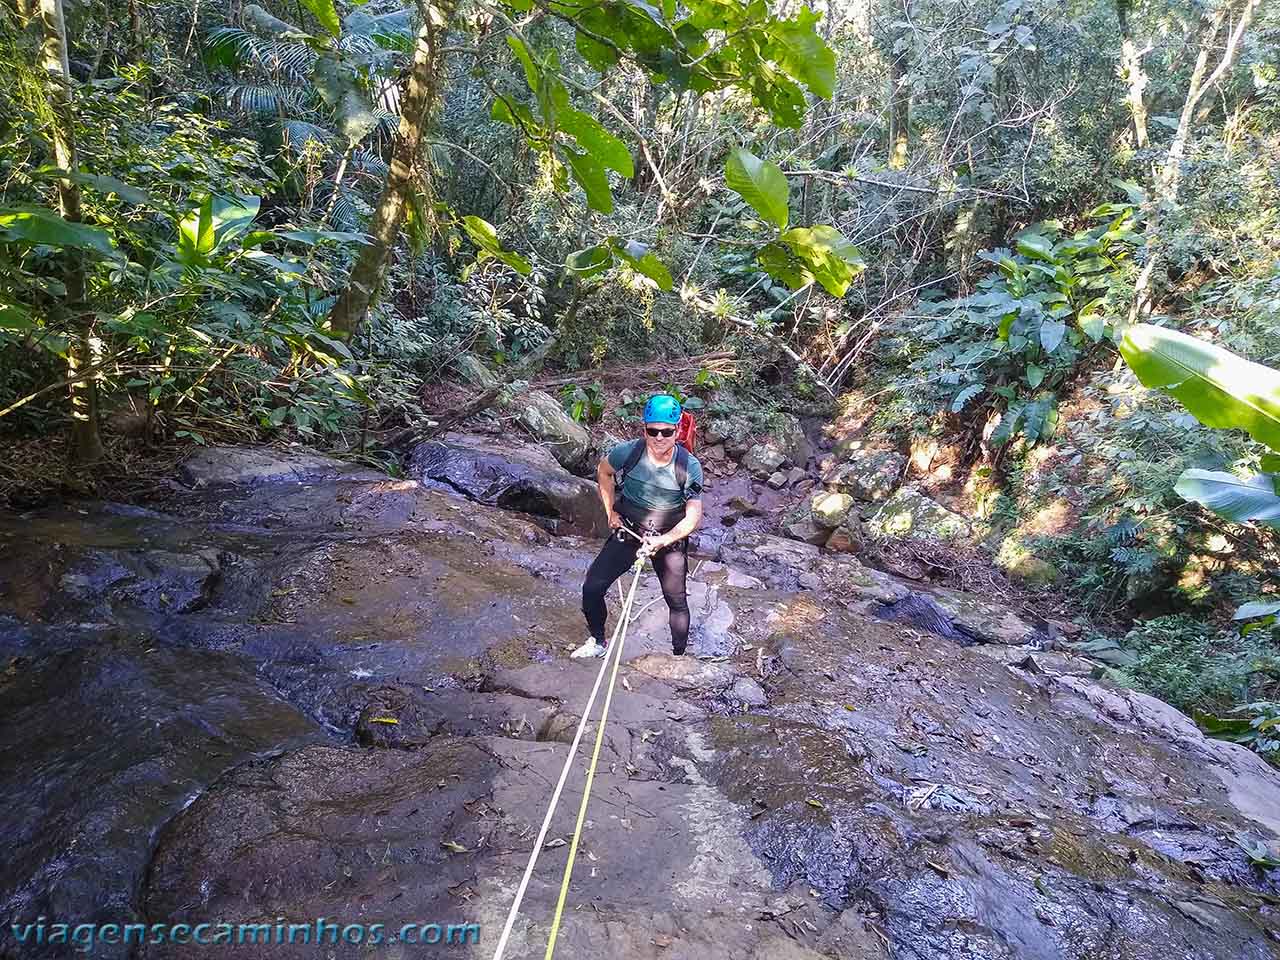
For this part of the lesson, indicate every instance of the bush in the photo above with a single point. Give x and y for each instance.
(1194, 666)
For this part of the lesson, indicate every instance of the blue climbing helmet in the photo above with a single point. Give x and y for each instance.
(662, 408)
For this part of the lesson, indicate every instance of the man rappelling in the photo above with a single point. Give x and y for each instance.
(652, 494)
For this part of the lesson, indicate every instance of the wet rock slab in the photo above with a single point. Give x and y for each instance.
(820, 784)
(102, 745)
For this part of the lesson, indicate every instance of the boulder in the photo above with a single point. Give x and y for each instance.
(763, 459)
(777, 480)
(750, 547)
(864, 474)
(474, 372)
(789, 438)
(829, 510)
(247, 466)
(747, 691)
(543, 416)
(685, 673)
(727, 431)
(795, 475)
(800, 524)
(909, 513)
(849, 537)
(1033, 570)
(513, 477)
(846, 578)
(982, 620)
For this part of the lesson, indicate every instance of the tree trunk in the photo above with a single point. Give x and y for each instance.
(1168, 175)
(86, 442)
(899, 104)
(370, 268)
(1133, 75)
(137, 44)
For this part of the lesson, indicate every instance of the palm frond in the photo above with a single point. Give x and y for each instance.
(236, 48)
(261, 98)
(366, 161)
(298, 133)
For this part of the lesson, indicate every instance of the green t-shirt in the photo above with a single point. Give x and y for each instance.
(651, 486)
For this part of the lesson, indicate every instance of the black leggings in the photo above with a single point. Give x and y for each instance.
(670, 564)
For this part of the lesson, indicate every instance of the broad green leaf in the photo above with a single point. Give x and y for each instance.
(33, 225)
(195, 235)
(1093, 326)
(1035, 245)
(1270, 462)
(804, 55)
(1219, 388)
(831, 258)
(14, 317)
(327, 15)
(289, 268)
(760, 183)
(531, 73)
(646, 262)
(591, 176)
(601, 56)
(1242, 500)
(1051, 334)
(101, 183)
(648, 10)
(1035, 375)
(1256, 608)
(590, 261)
(484, 236)
(596, 140)
(964, 396)
(780, 263)
(231, 216)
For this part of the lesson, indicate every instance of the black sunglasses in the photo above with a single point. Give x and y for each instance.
(659, 432)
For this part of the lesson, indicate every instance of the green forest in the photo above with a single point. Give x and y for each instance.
(1030, 247)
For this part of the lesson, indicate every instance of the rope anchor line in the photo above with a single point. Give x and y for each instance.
(614, 658)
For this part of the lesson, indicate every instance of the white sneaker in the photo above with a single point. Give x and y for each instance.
(590, 649)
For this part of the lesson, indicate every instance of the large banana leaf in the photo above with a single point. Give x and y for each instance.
(1252, 498)
(1219, 388)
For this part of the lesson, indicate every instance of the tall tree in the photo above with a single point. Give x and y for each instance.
(1133, 74)
(371, 267)
(899, 146)
(1236, 15)
(86, 442)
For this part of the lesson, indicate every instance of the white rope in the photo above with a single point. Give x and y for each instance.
(564, 773)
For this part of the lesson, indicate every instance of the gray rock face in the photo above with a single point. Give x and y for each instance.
(474, 372)
(764, 459)
(984, 621)
(909, 513)
(790, 439)
(498, 473)
(864, 474)
(544, 417)
(800, 523)
(747, 691)
(216, 466)
(829, 510)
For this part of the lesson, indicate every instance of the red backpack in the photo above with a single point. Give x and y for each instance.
(687, 431)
